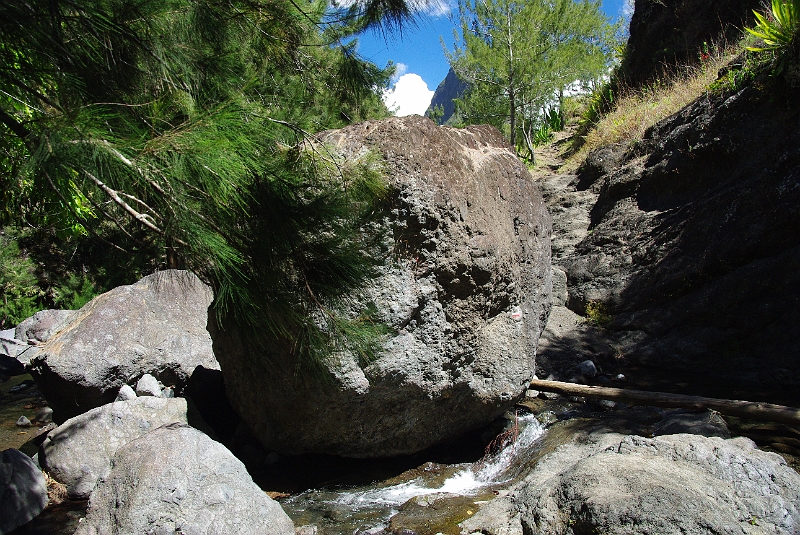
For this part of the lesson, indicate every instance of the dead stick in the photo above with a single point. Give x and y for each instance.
(742, 409)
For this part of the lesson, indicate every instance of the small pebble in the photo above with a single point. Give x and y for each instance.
(23, 422)
(126, 393)
(20, 387)
(148, 386)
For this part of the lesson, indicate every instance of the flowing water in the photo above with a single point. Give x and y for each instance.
(451, 492)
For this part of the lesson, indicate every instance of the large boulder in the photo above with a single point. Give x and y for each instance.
(671, 485)
(156, 326)
(464, 286)
(177, 480)
(78, 452)
(23, 491)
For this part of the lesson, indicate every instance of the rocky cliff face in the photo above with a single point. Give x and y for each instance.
(693, 247)
(669, 32)
(464, 286)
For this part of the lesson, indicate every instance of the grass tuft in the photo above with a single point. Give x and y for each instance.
(637, 110)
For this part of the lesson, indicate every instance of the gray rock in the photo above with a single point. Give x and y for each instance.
(587, 369)
(156, 326)
(79, 451)
(177, 480)
(560, 295)
(706, 423)
(126, 393)
(23, 422)
(465, 286)
(148, 386)
(23, 491)
(44, 415)
(41, 326)
(676, 484)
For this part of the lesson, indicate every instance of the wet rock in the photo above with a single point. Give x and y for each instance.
(79, 451)
(23, 422)
(706, 423)
(126, 393)
(148, 386)
(464, 286)
(676, 484)
(156, 326)
(204, 489)
(23, 491)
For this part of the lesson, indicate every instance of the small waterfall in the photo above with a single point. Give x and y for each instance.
(369, 508)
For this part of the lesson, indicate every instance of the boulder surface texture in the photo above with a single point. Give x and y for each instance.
(177, 480)
(671, 485)
(79, 451)
(156, 326)
(23, 491)
(464, 286)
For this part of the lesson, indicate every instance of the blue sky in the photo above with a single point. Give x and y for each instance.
(417, 51)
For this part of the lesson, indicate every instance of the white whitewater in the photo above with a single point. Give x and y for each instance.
(468, 481)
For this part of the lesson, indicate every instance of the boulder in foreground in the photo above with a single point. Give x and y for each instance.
(671, 485)
(177, 480)
(156, 326)
(79, 451)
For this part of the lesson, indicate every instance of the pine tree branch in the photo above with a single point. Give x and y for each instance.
(79, 218)
(144, 219)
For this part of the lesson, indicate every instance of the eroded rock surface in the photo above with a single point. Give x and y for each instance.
(675, 484)
(156, 326)
(464, 285)
(177, 480)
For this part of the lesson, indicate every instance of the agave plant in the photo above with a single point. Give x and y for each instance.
(777, 31)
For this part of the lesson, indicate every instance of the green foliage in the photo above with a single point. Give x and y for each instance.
(778, 30)
(597, 313)
(172, 132)
(519, 57)
(600, 102)
(436, 113)
(735, 76)
(18, 290)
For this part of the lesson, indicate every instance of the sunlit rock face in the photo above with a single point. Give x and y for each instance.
(464, 286)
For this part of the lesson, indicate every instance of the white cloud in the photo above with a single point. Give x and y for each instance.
(399, 70)
(627, 9)
(434, 8)
(410, 96)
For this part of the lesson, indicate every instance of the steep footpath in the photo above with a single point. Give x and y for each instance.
(685, 247)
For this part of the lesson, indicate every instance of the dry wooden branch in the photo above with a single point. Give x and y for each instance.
(741, 409)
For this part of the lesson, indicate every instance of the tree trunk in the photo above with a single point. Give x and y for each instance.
(741, 409)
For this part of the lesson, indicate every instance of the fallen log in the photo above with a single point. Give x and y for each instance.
(741, 409)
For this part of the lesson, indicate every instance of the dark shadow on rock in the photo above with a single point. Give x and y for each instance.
(206, 389)
(699, 252)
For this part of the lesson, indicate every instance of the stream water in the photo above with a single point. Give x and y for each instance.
(443, 495)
